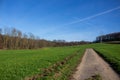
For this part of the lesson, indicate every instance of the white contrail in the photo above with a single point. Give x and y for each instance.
(93, 16)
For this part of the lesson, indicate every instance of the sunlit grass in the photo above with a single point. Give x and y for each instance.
(17, 64)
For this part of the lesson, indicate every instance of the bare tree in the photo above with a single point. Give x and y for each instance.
(6, 38)
(1, 39)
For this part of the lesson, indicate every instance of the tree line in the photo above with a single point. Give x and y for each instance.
(12, 38)
(109, 37)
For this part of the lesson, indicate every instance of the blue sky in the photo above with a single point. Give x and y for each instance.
(70, 20)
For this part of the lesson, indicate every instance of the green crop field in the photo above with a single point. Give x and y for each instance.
(19, 64)
(57, 63)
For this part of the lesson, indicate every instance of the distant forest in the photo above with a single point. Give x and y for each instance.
(109, 37)
(12, 38)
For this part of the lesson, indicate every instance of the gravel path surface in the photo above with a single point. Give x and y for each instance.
(93, 64)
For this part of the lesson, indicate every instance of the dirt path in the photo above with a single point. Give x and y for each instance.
(93, 64)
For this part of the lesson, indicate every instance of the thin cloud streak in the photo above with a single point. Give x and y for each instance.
(84, 19)
(93, 16)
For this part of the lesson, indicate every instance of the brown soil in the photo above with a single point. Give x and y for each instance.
(92, 64)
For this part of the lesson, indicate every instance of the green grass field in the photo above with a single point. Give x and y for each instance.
(19, 64)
